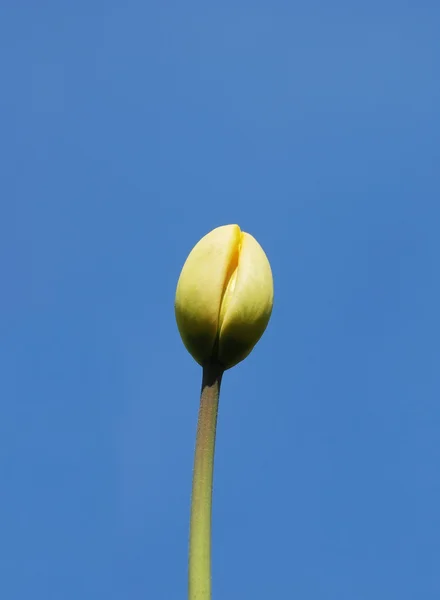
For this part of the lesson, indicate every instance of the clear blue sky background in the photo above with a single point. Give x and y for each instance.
(128, 131)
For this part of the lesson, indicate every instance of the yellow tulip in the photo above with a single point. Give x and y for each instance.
(224, 297)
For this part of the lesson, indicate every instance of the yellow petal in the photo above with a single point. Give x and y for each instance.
(201, 287)
(249, 306)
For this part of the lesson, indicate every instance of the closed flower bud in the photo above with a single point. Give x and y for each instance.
(224, 297)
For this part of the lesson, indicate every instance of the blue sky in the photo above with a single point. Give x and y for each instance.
(129, 130)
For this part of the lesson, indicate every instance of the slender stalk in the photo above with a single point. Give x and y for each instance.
(199, 581)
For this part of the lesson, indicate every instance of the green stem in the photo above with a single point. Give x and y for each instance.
(199, 583)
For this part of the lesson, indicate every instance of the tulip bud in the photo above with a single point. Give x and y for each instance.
(224, 297)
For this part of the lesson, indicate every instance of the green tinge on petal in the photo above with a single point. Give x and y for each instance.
(201, 287)
(249, 307)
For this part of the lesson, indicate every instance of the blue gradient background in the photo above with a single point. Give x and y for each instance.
(128, 131)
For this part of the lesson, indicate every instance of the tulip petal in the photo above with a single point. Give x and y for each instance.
(249, 306)
(200, 289)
